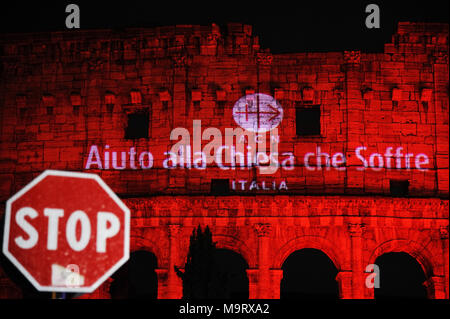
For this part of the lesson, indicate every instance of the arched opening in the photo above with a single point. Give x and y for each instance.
(229, 276)
(401, 276)
(309, 274)
(136, 278)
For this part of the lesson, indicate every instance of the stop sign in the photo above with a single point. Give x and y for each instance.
(66, 231)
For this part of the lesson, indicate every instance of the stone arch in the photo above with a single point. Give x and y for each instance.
(430, 266)
(309, 241)
(400, 276)
(414, 249)
(231, 243)
(238, 246)
(142, 243)
(309, 273)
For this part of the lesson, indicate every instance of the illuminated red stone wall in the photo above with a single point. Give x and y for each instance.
(63, 92)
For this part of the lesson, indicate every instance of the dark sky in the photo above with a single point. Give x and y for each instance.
(290, 26)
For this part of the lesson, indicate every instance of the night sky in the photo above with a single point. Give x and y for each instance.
(291, 26)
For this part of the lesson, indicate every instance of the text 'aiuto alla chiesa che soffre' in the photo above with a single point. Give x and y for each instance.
(359, 166)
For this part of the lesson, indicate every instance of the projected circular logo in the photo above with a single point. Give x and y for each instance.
(257, 112)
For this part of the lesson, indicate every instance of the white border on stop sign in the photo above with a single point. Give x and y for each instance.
(111, 194)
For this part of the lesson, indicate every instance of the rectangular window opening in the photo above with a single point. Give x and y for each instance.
(220, 186)
(138, 125)
(307, 120)
(399, 188)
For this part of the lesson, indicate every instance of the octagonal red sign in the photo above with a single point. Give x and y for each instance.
(66, 231)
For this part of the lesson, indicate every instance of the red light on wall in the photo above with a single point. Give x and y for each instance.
(352, 57)
(48, 100)
(75, 99)
(367, 94)
(308, 94)
(279, 94)
(136, 97)
(396, 94)
(425, 95)
(110, 98)
(196, 95)
(21, 101)
(221, 95)
(164, 96)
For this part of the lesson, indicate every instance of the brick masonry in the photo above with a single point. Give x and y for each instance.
(62, 92)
